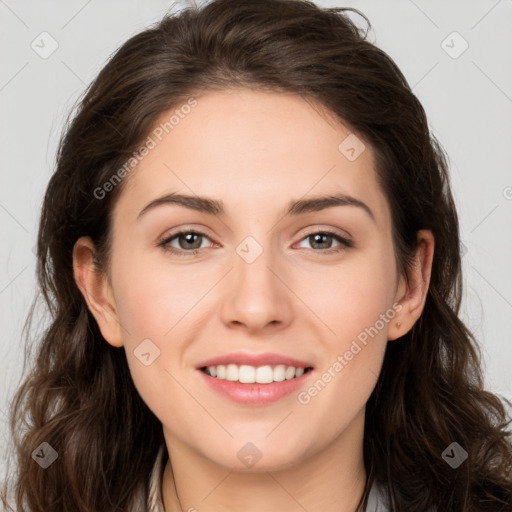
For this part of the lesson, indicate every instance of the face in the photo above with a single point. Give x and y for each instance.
(317, 284)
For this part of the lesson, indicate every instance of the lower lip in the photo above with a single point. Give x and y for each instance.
(255, 394)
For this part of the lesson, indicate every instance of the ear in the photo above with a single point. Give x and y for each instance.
(412, 292)
(97, 291)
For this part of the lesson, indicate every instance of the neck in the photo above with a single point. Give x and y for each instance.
(328, 479)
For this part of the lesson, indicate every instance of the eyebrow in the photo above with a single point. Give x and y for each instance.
(215, 207)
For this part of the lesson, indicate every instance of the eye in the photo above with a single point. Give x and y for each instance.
(323, 240)
(189, 243)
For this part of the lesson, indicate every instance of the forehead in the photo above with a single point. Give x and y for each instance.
(253, 149)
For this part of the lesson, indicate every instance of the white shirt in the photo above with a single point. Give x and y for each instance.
(376, 498)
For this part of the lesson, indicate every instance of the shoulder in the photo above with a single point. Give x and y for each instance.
(377, 501)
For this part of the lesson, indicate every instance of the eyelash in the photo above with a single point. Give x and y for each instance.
(182, 253)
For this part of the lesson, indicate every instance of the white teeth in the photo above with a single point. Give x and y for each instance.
(264, 375)
(221, 371)
(290, 372)
(247, 374)
(231, 372)
(251, 374)
(279, 372)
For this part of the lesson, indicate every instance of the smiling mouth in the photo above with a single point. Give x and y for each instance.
(247, 374)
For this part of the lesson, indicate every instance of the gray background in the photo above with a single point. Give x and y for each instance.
(468, 100)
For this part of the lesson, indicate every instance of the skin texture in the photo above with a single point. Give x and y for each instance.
(256, 151)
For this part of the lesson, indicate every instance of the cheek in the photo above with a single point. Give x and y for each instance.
(358, 309)
(156, 304)
(358, 315)
(150, 298)
(150, 305)
(353, 296)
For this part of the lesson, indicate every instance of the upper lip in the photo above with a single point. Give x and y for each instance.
(256, 360)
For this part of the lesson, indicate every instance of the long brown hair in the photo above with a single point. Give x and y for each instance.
(79, 396)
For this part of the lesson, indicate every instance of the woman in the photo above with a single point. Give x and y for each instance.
(254, 369)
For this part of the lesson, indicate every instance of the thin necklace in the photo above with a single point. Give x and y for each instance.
(175, 486)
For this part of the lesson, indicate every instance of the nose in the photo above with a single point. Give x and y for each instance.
(256, 294)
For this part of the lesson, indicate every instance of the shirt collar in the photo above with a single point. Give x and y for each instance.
(155, 500)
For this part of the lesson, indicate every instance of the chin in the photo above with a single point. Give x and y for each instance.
(254, 456)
